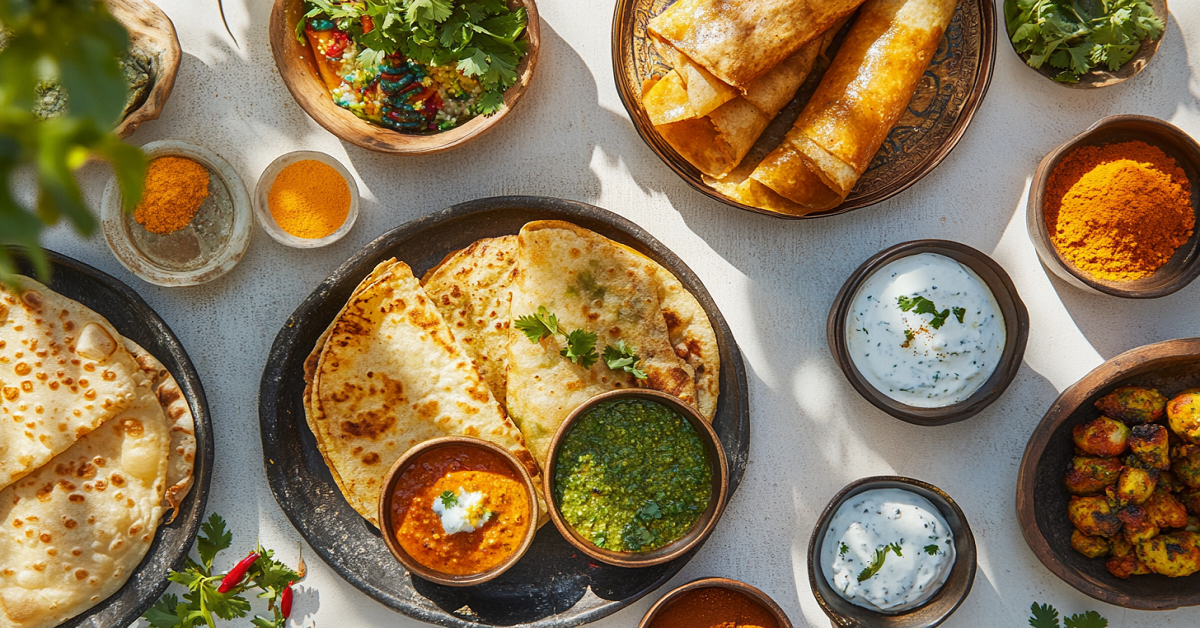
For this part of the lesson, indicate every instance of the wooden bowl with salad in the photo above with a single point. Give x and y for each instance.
(357, 71)
(1072, 63)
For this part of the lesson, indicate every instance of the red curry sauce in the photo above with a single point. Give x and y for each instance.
(419, 529)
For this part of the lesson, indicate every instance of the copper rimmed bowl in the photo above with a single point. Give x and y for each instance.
(699, 531)
(763, 600)
(385, 510)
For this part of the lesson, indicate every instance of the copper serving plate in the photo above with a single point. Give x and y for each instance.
(945, 102)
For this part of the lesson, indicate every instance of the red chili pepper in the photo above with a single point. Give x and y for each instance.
(285, 600)
(235, 575)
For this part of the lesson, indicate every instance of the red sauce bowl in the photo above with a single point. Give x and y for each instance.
(387, 497)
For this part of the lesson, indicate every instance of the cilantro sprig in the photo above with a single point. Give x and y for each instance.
(580, 345)
(1075, 37)
(877, 562)
(622, 357)
(1046, 616)
(203, 603)
(449, 499)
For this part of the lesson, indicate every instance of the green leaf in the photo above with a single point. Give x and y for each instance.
(877, 562)
(581, 348)
(490, 102)
(959, 313)
(539, 325)
(1090, 619)
(932, 550)
(429, 10)
(214, 538)
(842, 549)
(449, 499)
(476, 64)
(650, 511)
(623, 357)
(162, 614)
(1044, 616)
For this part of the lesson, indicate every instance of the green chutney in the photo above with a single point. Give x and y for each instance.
(632, 476)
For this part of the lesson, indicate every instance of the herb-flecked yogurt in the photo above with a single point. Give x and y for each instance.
(632, 475)
(888, 550)
(925, 330)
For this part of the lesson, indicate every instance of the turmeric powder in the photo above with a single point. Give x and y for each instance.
(309, 199)
(174, 191)
(1119, 212)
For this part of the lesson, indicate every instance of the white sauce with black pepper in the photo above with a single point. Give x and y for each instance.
(925, 359)
(885, 520)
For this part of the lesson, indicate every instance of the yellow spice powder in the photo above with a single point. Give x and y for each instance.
(309, 199)
(175, 188)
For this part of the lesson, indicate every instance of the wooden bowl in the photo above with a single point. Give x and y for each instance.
(1182, 268)
(294, 60)
(1102, 77)
(753, 593)
(703, 526)
(385, 511)
(151, 30)
(1171, 367)
(934, 611)
(1016, 325)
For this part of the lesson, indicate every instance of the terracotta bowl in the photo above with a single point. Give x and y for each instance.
(1102, 77)
(151, 30)
(702, 528)
(1171, 367)
(1016, 322)
(753, 593)
(938, 608)
(1183, 266)
(295, 64)
(385, 509)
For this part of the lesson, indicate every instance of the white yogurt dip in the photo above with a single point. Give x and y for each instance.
(925, 331)
(888, 550)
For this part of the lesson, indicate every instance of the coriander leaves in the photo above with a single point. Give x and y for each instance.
(920, 305)
(580, 345)
(622, 357)
(1076, 37)
(1046, 616)
(877, 562)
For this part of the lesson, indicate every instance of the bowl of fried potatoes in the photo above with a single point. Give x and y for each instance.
(1108, 492)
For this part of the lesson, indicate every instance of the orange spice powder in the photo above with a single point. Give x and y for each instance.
(175, 188)
(309, 199)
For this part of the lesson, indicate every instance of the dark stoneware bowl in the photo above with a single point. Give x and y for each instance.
(753, 593)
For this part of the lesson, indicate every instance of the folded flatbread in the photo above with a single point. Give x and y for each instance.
(863, 93)
(592, 283)
(738, 41)
(63, 373)
(391, 375)
(75, 529)
(181, 456)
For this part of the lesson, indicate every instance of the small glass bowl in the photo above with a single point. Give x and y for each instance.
(262, 205)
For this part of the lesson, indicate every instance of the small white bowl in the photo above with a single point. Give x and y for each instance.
(262, 205)
(212, 243)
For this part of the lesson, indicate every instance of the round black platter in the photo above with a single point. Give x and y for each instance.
(134, 319)
(553, 585)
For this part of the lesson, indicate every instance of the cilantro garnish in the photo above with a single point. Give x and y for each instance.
(539, 325)
(650, 511)
(877, 563)
(1046, 616)
(921, 305)
(842, 549)
(1076, 37)
(932, 550)
(449, 499)
(580, 345)
(623, 357)
(581, 348)
(959, 313)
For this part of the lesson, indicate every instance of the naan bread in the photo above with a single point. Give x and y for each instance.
(589, 282)
(181, 456)
(392, 375)
(471, 288)
(63, 373)
(75, 529)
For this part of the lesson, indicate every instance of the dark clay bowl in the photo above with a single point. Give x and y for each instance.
(1182, 268)
(385, 509)
(938, 608)
(1016, 324)
(753, 593)
(1171, 367)
(702, 528)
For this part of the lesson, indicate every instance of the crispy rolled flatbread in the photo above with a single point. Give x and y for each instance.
(63, 373)
(863, 93)
(738, 41)
(76, 529)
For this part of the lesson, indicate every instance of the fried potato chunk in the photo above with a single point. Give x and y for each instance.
(1172, 555)
(1090, 546)
(1123, 560)
(1102, 437)
(1133, 405)
(1165, 511)
(1183, 414)
(1135, 485)
(1190, 501)
(1089, 476)
(1136, 524)
(1093, 516)
(1193, 524)
(1149, 444)
(1187, 469)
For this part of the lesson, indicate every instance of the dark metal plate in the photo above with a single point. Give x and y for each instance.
(552, 585)
(945, 101)
(134, 319)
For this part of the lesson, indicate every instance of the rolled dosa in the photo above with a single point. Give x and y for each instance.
(862, 95)
(738, 41)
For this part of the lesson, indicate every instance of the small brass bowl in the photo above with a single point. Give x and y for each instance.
(936, 609)
(385, 511)
(1184, 265)
(703, 526)
(753, 593)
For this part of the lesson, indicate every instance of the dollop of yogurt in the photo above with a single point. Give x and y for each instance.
(925, 331)
(462, 511)
(888, 550)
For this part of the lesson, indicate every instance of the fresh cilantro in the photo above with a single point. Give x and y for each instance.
(1090, 619)
(581, 348)
(932, 550)
(959, 313)
(842, 549)
(1046, 616)
(921, 305)
(650, 511)
(540, 325)
(908, 337)
(877, 562)
(1076, 37)
(623, 357)
(580, 345)
(213, 538)
(449, 499)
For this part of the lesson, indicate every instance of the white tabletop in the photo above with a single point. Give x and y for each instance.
(774, 281)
